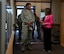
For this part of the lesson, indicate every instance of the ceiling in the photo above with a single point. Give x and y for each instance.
(31, 0)
(8, 1)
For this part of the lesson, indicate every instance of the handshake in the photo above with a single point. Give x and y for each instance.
(30, 26)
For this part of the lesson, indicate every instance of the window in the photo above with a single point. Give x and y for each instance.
(9, 11)
(42, 15)
(20, 8)
(19, 11)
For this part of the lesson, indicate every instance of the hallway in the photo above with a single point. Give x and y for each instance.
(9, 11)
(38, 49)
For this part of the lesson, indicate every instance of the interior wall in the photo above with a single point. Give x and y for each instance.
(38, 6)
(2, 27)
(58, 12)
(62, 24)
(10, 18)
(56, 6)
(13, 12)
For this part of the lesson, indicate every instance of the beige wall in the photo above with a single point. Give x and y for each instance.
(62, 25)
(56, 5)
(58, 12)
(39, 6)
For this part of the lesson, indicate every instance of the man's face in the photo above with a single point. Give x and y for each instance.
(29, 7)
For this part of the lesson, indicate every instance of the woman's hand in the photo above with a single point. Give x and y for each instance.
(45, 24)
(40, 21)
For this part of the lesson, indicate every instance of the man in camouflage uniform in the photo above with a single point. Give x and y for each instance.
(27, 18)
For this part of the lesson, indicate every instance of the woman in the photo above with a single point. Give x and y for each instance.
(47, 27)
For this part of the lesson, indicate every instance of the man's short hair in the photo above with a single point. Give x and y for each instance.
(28, 4)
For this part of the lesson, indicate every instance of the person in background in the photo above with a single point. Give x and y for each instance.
(20, 26)
(38, 26)
(27, 18)
(47, 27)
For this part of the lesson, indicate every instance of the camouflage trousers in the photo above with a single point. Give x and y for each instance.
(26, 35)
